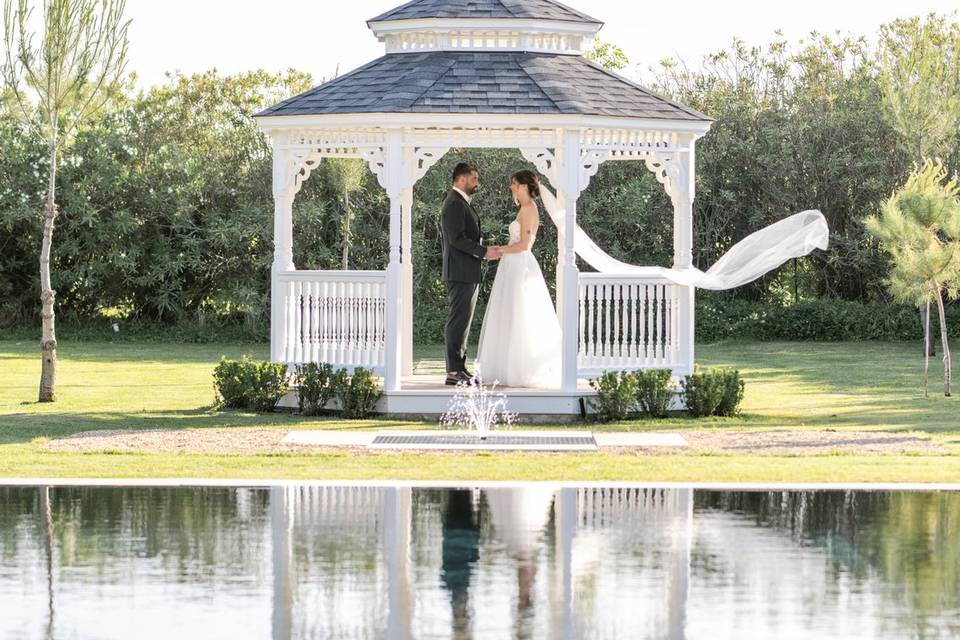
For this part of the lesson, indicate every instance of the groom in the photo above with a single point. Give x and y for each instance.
(462, 256)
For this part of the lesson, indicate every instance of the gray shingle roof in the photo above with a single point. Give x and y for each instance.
(483, 82)
(539, 9)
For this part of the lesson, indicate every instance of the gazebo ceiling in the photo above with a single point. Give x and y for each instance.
(483, 82)
(532, 9)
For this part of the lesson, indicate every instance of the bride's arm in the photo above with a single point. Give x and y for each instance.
(528, 219)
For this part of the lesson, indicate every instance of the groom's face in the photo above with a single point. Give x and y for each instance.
(471, 183)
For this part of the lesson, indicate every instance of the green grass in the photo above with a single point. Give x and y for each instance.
(843, 386)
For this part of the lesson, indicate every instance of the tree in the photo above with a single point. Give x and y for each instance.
(919, 75)
(347, 175)
(56, 86)
(920, 227)
(607, 55)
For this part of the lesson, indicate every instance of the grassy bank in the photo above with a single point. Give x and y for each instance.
(836, 386)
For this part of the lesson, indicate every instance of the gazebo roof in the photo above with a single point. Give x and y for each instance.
(531, 9)
(483, 82)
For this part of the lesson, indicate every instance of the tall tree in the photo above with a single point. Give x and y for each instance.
(55, 86)
(920, 227)
(919, 76)
(347, 175)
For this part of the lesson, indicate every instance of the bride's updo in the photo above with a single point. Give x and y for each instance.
(528, 178)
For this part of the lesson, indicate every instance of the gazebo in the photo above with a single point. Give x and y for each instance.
(481, 74)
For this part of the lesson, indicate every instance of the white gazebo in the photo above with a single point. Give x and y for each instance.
(484, 74)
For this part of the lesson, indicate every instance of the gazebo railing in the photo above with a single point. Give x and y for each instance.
(627, 322)
(337, 317)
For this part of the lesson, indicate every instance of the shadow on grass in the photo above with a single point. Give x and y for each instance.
(20, 428)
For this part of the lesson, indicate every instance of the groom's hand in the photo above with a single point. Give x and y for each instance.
(493, 253)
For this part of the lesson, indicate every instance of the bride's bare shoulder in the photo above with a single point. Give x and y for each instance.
(530, 210)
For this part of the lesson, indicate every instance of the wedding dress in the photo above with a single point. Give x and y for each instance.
(520, 335)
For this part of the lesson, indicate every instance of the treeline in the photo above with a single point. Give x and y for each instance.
(167, 214)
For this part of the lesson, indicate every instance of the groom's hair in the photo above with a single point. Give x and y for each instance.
(463, 169)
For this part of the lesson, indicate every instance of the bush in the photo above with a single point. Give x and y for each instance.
(616, 395)
(716, 392)
(315, 387)
(653, 392)
(733, 388)
(250, 384)
(358, 394)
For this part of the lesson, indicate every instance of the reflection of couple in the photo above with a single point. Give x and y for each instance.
(520, 335)
(519, 516)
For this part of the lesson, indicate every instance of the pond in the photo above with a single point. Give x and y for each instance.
(499, 562)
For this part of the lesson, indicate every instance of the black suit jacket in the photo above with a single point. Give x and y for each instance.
(462, 250)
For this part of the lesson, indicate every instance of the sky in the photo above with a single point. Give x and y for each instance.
(321, 36)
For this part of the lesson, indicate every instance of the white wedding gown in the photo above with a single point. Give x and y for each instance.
(520, 335)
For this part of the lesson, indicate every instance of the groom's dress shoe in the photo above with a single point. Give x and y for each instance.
(462, 376)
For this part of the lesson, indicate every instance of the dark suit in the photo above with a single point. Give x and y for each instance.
(462, 259)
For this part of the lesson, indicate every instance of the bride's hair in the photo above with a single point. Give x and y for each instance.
(528, 178)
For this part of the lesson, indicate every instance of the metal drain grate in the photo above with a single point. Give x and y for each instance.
(492, 441)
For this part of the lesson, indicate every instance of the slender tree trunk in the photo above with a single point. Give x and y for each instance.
(45, 506)
(48, 345)
(928, 346)
(947, 365)
(926, 356)
(346, 230)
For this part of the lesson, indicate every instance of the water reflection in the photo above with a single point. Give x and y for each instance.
(538, 562)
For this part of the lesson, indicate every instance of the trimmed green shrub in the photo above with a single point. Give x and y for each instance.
(716, 392)
(733, 388)
(315, 387)
(653, 392)
(616, 395)
(358, 394)
(250, 384)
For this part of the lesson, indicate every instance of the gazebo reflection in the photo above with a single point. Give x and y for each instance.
(350, 562)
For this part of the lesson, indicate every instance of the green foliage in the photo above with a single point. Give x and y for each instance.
(315, 385)
(616, 395)
(704, 392)
(724, 317)
(607, 55)
(358, 394)
(733, 390)
(653, 392)
(919, 81)
(249, 384)
(919, 226)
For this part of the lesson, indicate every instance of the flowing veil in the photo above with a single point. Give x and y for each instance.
(755, 255)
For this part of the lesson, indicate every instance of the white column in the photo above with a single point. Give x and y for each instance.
(562, 203)
(570, 179)
(565, 529)
(283, 195)
(397, 516)
(281, 531)
(683, 195)
(406, 228)
(395, 173)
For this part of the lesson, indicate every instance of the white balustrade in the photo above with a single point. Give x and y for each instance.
(628, 322)
(337, 317)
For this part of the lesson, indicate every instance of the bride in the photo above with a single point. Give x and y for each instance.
(520, 336)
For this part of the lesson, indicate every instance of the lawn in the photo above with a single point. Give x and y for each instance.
(131, 385)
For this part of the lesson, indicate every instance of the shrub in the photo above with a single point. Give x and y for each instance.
(653, 391)
(315, 387)
(250, 384)
(616, 395)
(714, 392)
(733, 388)
(358, 394)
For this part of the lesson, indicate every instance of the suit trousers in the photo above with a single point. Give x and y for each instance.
(461, 302)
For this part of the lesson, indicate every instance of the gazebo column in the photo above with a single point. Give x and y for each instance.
(406, 228)
(570, 170)
(394, 174)
(683, 195)
(283, 194)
